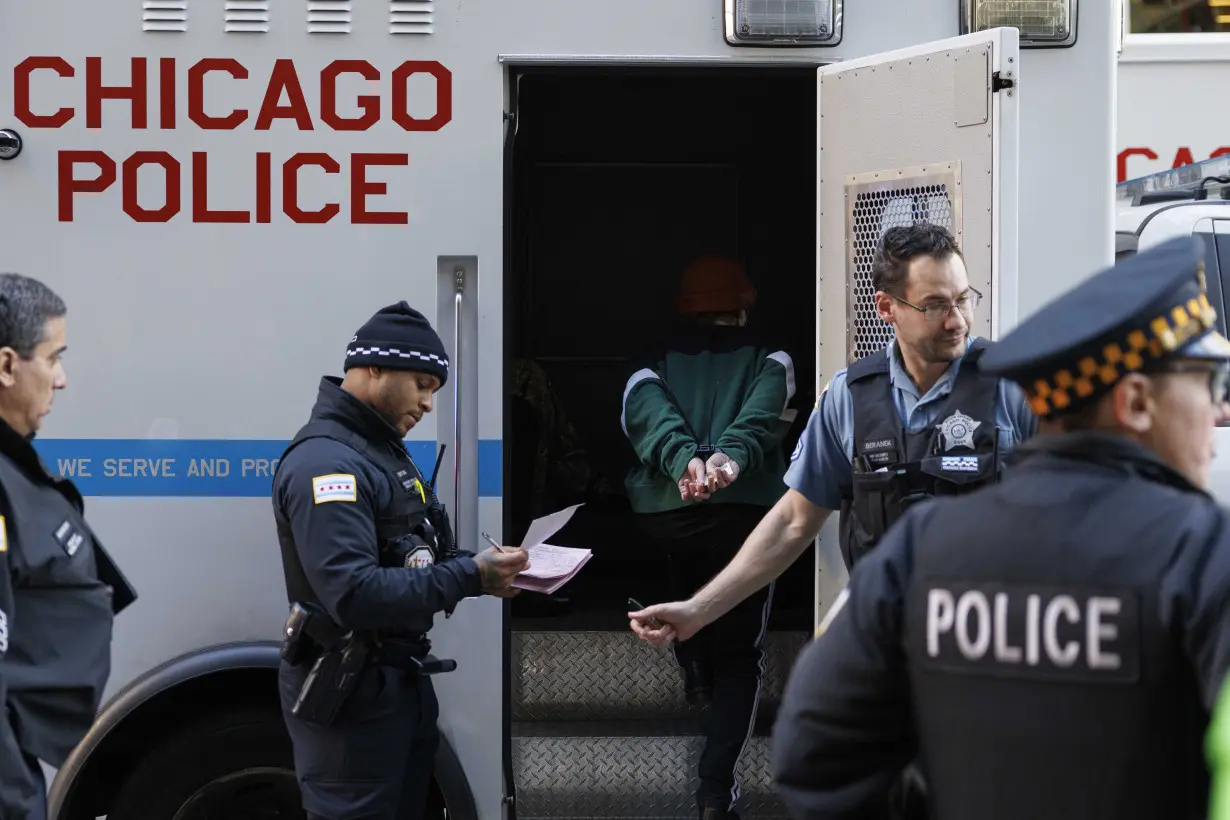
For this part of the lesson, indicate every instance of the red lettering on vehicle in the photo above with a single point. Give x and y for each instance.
(21, 92)
(150, 184)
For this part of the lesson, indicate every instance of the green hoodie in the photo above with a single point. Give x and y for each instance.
(708, 387)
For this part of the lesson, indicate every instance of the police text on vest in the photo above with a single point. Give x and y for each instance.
(1030, 631)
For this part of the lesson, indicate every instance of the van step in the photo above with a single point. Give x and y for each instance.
(646, 776)
(613, 675)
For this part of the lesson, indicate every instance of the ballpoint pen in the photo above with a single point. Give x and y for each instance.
(492, 542)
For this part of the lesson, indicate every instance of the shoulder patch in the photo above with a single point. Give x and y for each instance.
(334, 487)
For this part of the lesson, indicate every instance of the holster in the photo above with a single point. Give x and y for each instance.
(330, 683)
(337, 658)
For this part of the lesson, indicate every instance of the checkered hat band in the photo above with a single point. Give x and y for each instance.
(395, 353)
(1096, 372)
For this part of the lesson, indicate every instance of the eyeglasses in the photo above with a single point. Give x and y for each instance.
(936, 312)
(1219, 378)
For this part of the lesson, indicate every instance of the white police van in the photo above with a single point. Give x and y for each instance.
(224, 190)
(1191, 200)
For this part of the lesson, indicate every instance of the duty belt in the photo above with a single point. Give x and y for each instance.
(401, 652)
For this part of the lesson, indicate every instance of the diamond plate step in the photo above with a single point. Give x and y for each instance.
(629, 776)
(607, 675)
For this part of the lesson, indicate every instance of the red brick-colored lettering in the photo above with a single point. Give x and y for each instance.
(166, 93)
(264, 187)
(368, 103)
(1182, 157)
(21, 92)
(1147, 153)
(401, 94)
(69, 185)
(284, 78)
(360, 189)
(290, 189)
(196, 94)
(200, 195)
(129, 174)
(96, 92)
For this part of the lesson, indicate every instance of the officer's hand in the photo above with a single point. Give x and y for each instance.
(722, 469)
(693, 484)
(498, 569)
(678, 621)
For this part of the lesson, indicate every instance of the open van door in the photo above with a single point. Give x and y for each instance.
(927, 133)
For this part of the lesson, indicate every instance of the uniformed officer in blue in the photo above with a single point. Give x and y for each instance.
(1049, 646)
(369, 561)
(897, 426)
(59, 589)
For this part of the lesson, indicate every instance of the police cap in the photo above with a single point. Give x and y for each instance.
(1129, 318)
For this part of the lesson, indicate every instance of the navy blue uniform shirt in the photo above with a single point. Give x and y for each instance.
(335, 531)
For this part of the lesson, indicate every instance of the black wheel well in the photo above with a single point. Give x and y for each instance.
(154, 719)
(225, 689)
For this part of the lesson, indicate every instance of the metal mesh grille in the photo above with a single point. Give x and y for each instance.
(872, 214)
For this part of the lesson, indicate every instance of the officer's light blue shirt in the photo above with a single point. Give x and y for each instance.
(822, 465)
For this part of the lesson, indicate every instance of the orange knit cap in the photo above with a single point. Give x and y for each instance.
(714, 284)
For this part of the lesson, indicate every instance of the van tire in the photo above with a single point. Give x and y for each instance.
(241, 757)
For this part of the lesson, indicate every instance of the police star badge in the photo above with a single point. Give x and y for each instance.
(958, 430)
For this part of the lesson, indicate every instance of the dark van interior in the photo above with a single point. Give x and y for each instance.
(618, 177)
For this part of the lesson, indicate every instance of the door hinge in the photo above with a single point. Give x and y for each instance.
(1002, 80)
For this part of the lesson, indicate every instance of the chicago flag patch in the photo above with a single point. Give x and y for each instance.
(334, 487)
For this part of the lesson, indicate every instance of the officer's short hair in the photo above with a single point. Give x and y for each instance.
(26, 305)
(900, 245)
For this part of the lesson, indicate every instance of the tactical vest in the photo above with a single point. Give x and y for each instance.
(412, 531)
(1047, 676)
(66, 592)
(894, 467)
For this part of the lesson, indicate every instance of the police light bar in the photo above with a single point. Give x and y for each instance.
(782, 22)
(1041, 23)
(1196, 181)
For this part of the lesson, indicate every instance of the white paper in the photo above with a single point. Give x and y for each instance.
(547, 561)
(543, 528)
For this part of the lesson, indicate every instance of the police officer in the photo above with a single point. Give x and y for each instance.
(369, 561)
(897, 426)
(59, 589)
(1049, 646)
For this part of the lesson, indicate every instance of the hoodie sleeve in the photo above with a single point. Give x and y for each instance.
(758, 426)
(653, 424)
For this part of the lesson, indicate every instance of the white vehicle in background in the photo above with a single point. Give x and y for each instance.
(1169, 113)
(223, 191)
(1192, 200)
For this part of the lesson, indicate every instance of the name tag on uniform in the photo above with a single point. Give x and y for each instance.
(1085, 634)
(69, 537)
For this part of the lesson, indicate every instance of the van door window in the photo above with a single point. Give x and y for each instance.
(1215, 273)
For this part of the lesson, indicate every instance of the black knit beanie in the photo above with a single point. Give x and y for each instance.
(398, 337)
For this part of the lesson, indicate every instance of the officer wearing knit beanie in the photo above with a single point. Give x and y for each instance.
(368, 552)
(401, 338)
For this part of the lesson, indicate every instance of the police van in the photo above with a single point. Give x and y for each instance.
(223, 190)
(1191, 200)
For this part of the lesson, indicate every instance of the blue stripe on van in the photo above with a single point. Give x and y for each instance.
(209, 468)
